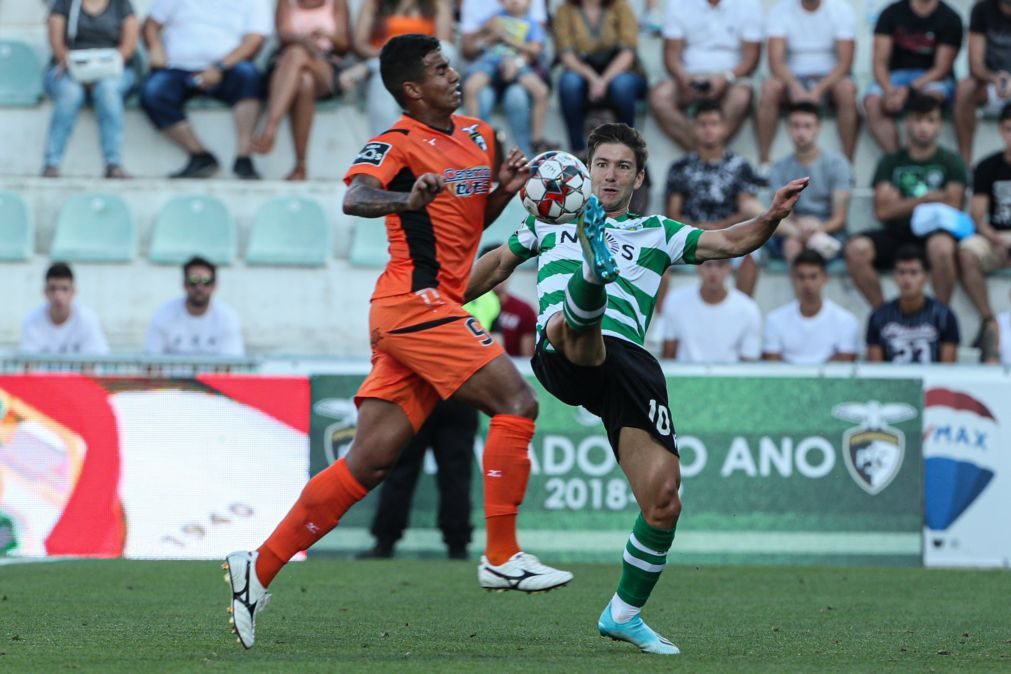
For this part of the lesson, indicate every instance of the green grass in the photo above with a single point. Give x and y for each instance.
(423, 616)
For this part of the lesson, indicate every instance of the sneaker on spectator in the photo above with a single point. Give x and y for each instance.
(51, 172)
(244, 169)
(200, 165)
(115, 172)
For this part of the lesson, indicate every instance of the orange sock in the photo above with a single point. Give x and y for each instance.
(506, 470)
(324, 500)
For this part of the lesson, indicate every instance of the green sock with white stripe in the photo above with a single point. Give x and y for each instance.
(585, 303)
(644, 560)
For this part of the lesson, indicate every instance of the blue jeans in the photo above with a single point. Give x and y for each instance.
(622, 94)
(165, 92)
(68, 99)
(905, 77)
(515, 105)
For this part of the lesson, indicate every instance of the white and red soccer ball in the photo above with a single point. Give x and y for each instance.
(557, 189)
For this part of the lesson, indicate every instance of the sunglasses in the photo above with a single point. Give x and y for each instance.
(199, 280)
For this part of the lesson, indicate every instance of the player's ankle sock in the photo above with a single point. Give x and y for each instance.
(622, 611)
(644, 560)
(323, 501)
(506, 468)
(585, 302)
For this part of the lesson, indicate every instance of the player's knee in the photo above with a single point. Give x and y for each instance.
(665, 510)
(523, 403)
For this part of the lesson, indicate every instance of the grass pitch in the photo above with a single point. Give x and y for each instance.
(427, 616)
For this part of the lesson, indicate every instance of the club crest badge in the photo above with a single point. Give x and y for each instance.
(873, 450)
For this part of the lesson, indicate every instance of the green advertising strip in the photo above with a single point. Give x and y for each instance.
(775, 470)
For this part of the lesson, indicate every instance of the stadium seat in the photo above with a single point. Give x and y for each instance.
(193, 225)
(368, 243)
(289, 231)
(94, 227)
(16, 229)
(20, 74)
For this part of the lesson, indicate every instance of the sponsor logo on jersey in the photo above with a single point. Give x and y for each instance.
(373, 153)
(468, 182)
(873, 450)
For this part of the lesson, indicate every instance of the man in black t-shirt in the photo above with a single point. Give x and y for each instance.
(989, 82)
(987, 250)
(913, 328)
(915, 44)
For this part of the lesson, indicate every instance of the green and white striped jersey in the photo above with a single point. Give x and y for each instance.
(643, 247)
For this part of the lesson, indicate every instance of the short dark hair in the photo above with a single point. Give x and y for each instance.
(59, 270)
(909, 252)
(707, 105)
(402, 60)
(808, 256)
(197, 261)
(618, 133)
(922, 104)
(805, 107)
(1005, 113)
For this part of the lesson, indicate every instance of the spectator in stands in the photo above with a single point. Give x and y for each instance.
(996, 345)
(989, 82)
(315, 37)
(194, 325)
(810, 330)
(73, 28)
(709, 323)
(923, 173)
(713, 188)
(710, 48)
(596, 41)
(200, 48)
(449, 431)
(516, 43)
(915, 45)
(61, 325)
(811, 47)
(378, 21)
(818, 220)
(987, 250)
(913, 328)
(515, 100)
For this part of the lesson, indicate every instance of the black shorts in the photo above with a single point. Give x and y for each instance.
(888, 241)
(627, 390)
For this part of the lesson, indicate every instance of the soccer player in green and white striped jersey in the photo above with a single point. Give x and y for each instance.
(597, 281)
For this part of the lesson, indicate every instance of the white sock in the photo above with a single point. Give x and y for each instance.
(622, 611)
(589, 276)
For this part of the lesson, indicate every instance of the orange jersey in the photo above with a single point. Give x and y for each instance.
(434, 247)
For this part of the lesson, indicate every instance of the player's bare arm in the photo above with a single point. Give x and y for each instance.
(513, 172)
(750, 235)
(366, 197)
(490, 270)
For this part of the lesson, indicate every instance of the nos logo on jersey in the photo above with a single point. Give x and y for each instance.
(873, 450)
(622, 250)
(373, 153)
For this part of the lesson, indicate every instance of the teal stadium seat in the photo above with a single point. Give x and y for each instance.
(16, 229)
(368, 243)
(20, 74)
(289, 231)
(193, 225)
(94, 227)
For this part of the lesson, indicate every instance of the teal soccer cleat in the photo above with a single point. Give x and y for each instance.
(591, 236)
(635, 632)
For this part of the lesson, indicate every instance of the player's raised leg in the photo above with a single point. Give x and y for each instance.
(655, 475)
(499, 390)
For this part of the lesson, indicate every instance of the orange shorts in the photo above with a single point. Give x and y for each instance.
(424, 347)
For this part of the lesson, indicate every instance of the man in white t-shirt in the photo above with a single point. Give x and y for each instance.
(61, 325)
(811, 47)
(205, 48)
(810, 330)
(193, 325)
(710, 323)
(711, 47)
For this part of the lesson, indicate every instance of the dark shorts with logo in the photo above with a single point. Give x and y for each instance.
(627, 390)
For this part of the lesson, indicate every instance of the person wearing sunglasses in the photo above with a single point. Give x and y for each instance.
(193, 324)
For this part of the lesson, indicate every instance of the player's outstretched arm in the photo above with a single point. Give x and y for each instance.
(750, 235)
(491, 269)
(367, 198)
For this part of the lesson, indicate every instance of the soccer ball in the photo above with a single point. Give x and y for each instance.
(557, 189)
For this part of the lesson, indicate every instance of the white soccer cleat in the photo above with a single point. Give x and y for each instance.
(249, 597)
(521, 572)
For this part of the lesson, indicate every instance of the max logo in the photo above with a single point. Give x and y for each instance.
(959, 457)
(874, 450)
